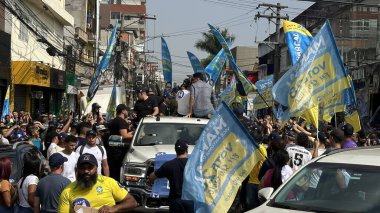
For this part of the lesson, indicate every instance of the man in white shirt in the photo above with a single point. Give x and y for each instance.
(72, 157)
(298, 154)
(53, 137)
(98, 151)
(182, 98)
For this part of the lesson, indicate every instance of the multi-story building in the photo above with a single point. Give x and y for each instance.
(247, 60)
(356, 27)
(5, 54)
(37, 53)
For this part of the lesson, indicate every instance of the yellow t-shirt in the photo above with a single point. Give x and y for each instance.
(253, 176)
(106, 191)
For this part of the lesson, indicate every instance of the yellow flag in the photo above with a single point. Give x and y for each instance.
(311, 116)
(354, 120)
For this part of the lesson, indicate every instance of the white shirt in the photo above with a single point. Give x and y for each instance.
(4, 141)
(83, 105)
(299, 156)
(69, 165)
(183, 97)
(23, 192)
(50, 150)
(96, 152)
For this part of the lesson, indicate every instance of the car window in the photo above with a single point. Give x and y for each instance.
(167, 133)
(332, 188)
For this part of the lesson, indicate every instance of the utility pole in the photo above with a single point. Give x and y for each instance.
(278, 17)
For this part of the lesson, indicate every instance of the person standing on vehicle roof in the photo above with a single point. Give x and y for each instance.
(145, 106)
(183, 98)
(173, 170)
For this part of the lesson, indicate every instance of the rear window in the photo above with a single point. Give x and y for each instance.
(150, 134)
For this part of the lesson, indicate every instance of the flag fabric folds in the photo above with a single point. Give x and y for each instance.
(6, 108)
(297, 38)
(223, 157)
(195, 63)
(246, 84)
(166, 62)
(216, 65)
(229, 94)
(316, 77)
(103, 65)
(264, 87)
(111, 108)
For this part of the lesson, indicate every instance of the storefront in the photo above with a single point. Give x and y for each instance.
(58, 86)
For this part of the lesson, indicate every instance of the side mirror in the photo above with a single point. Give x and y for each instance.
(265, 193)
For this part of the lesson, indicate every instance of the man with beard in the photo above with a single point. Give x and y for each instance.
(95, 191)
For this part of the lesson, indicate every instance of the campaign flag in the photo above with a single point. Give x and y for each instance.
(297, 38)
(264, 87)
(229, 94)
(223, 157)
(160, 188)
(195, 63)
(111, 108)
(103, 65)
(242, 80)
(317, 76)
(214, 68)
(6, 108)
(166, 62)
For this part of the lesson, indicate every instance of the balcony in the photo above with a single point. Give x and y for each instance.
(133, 24)
(81, 36)
(91, 37)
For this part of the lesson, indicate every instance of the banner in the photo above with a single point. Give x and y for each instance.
(166, 62)
(215, 67)
(103, 65)
(6, 108)
(223, 157)
(241, 78)
(264, 87)
(297, 39)
(317, 76)
(111, 108)
(229, 94)
(195, 63)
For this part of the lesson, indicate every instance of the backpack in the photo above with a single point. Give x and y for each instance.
(100, 147)
(28, 149)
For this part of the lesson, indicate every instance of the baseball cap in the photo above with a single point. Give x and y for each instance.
(91, 133)
(348, 129)
(62, 135)
(96, 105)
(274, 136)
(56, 159)
(322, 136)
(87, 158)
(139, 90)
(181, 145)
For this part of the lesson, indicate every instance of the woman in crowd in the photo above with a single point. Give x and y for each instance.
(8, 194)
(27, 185)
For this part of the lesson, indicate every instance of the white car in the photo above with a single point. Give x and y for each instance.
(341, 181)
(155, 136)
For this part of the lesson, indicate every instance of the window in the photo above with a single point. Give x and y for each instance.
(23, 34)
(115, 15)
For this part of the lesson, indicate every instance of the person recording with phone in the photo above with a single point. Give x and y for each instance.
(96, 115)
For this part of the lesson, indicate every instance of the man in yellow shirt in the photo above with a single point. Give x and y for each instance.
(95, 191)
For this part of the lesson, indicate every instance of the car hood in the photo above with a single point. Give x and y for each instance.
(140, 154)
(267, 209)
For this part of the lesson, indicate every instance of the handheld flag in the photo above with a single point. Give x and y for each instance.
(264, 87)
(229, 94)
(215, 67)
(223, 157)
(111, 108)
(195, 63)
(102, 66)
(6, 108)
(166, 62)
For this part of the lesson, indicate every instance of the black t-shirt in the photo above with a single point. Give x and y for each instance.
(144, 108)
(173, 171)
(164, 109)
(116, 125)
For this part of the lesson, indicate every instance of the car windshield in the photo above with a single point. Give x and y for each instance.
(323, 187)
(167, 133)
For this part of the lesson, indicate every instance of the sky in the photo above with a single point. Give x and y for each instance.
(183, 21)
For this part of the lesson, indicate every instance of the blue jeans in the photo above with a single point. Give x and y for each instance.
(251, 196)
(6, 209)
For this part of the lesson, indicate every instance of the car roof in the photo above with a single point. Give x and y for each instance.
(168, 119)
(369, 156)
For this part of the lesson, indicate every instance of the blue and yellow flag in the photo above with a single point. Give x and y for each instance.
(195, 63)
(228, 96)
(223, 157)
(246, 84)
(166, 62)
(111, 108)
(297, 38)
(317, 76)
(6, 108)
(215, 67)
(103, 65)
(264, 87)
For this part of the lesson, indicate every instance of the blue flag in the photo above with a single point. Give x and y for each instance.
(223, 157)
(160, 188)
(103, 65)
(6, 108)
(166, 62)
(264, 87)
(229, 94)
(215, 67)
(317, 76)
(195, 63)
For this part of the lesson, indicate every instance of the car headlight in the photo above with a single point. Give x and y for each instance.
(134, 172)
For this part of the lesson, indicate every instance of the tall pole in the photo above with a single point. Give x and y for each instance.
(97, 32)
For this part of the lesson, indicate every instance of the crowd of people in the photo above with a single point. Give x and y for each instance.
(82, 162)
